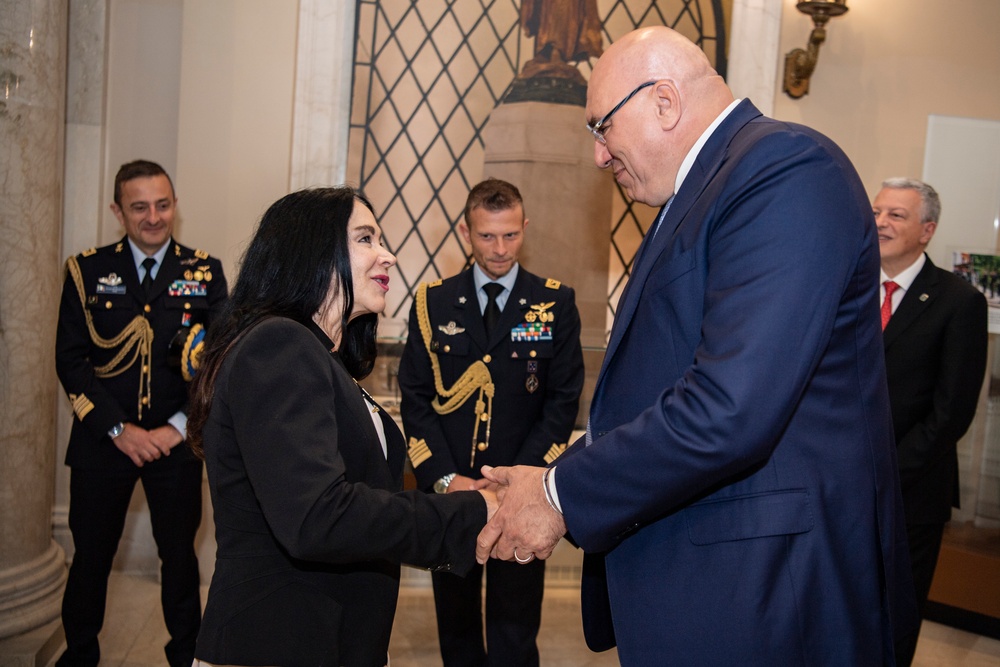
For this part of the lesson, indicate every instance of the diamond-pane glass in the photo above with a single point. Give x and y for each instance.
(426, 77)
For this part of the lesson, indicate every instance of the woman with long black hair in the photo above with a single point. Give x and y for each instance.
(305, 470)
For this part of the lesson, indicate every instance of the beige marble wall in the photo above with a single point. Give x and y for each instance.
(32, 75)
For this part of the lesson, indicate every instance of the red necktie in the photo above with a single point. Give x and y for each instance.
(890, 287)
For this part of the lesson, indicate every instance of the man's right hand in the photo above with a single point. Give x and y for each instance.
(138, 444)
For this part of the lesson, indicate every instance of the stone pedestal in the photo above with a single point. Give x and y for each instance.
(545, 150)
(32, 94)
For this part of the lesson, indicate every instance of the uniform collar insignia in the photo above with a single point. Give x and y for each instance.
(461, 300)
(451, 329)
(523, 302)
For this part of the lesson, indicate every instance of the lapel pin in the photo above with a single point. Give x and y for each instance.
(924, 296)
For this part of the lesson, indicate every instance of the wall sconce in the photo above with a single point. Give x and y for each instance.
(799, 64)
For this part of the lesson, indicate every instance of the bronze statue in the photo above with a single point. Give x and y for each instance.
(565, 31)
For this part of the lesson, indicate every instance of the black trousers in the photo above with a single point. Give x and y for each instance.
(99, 501)
(513, 614)
(925, 545)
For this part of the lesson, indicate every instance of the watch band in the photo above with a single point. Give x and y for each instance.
(441, 486)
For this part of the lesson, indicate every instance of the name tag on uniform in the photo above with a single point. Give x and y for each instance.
(110, 289)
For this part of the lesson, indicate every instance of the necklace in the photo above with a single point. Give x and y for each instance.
(368, 398)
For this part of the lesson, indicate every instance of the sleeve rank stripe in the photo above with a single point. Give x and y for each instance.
(81, 406)
(555, 451)
(418, 451)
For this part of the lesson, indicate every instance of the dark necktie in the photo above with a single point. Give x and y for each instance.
(147, 280)
(890, 287)
(491, 316)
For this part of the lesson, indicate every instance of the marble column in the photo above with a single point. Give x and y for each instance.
(32, 94)
(544, 150)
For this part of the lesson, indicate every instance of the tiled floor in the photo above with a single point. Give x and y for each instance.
(134, 633)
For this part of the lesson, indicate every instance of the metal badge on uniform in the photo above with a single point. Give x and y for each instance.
(540, 312)
(532, 366)
(186, 319)
(450, 329)
(187, 288)
(531, 384)
(110, 284)
(190, 261)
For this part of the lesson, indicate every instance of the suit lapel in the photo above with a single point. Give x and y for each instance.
(705, 166)
(513, 311)
(921, 294)
(168, 270)
(466, 301)
(395, 448)
(124, 265)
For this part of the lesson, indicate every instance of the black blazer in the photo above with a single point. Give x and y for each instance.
(935, 358)
(113, 296)
(310, 518)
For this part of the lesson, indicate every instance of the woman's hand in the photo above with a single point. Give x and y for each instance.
(491, 501)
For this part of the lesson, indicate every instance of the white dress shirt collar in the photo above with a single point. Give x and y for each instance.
(692, 154)
(138, 256)
(906, 277)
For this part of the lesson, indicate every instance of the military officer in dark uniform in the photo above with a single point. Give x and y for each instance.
(491, 375)
(131, 324)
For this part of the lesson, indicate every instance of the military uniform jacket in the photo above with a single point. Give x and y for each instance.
(189, 290)
(536, 364)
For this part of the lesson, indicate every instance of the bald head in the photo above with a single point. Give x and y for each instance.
(647, 138)
(655, 53)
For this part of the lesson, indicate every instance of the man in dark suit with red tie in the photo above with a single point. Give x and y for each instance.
(935, 337)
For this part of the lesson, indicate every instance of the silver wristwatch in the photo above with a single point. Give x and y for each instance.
(441, 486)
(116, 430)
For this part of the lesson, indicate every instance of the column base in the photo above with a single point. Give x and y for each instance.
(33, 648)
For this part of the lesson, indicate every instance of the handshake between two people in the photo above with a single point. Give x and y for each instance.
(522, 524)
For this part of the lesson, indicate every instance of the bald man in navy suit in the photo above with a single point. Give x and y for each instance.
(736, 494)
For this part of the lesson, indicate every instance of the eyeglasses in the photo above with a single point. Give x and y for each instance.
(598, 129)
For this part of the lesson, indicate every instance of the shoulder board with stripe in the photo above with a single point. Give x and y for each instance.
(552, 283)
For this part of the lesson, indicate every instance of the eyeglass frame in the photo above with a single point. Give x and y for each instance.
(598, 129)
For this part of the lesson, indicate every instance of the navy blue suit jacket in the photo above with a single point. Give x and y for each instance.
(741, 489)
